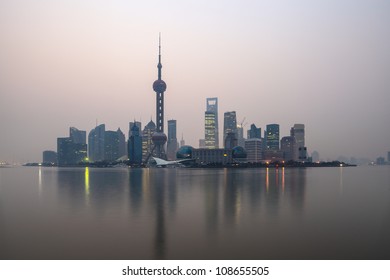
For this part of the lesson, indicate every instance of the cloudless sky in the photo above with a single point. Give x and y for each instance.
(325, 64)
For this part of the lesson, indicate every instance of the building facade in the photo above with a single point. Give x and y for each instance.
(210, 130)
(298, 131)
(288, 148)
(70, 153)
(229, 124)
(254, 132)
(254, 149)
(172, 144)
(135, 146)
(96, 145)
(231, 140)
(211, 124)
(212, 156)
(77, 136)
(272, 135)
(147, 144)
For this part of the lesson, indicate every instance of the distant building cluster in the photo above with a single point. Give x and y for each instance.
(105, 146)
(254, 148)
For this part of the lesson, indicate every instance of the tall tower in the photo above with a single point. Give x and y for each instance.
(159, 86)
(211, 123)
(229, 124)
(272, 137)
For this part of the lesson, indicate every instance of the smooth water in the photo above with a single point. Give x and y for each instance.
(285, 213)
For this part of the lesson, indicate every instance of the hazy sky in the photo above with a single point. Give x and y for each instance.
(322, 63)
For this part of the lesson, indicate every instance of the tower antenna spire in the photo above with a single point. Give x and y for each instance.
(159, 65)
(159, 86)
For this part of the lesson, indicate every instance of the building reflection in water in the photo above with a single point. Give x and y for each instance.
(137, 187)
(158, 182)
(211, 186)
(232, 201)
(232, 195)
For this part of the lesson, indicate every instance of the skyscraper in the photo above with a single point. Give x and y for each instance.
(65, 151)
(229, 124)
(211, 123)
(231, 140)
(72, 150)
(135, 145)
(122, 143)
(147, 144)
(254, 132)
(288, 147)
(159, 86)
(298, 131)
(209, 127)
(96, 143)
(111, 146)
(272, 137)
(172, 144)
(77, 136)
(131, 125)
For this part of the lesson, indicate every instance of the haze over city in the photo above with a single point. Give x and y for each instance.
(75, 63)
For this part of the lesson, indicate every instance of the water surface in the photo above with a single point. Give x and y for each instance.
(285, 213)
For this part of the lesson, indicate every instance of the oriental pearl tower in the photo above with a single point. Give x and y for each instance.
(159, 86)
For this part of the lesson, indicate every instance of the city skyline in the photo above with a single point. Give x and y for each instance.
(271, 63)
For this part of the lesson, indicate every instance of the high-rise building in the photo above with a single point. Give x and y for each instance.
(254, 149)
(147, 144)
(211, 124)
(388, 157)
(122, 149)
(65, 151)
(298, 131)
(135, 146)
(229, 124)
(96, 146)
(77, 136)
(131, 125)
(182, 142)
(240, 135)
(272, 135)
(254, 132)
(69, 152)
(288, 147)
(210, 130)
(159, 86)
(111, 146)
(172, 144)
(230, 140)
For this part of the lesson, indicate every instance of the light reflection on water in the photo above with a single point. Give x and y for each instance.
(285, 213)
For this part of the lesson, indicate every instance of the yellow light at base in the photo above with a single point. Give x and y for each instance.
(86, 175)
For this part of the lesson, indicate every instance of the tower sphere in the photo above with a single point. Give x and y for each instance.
(159, 138)
(159, 86)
